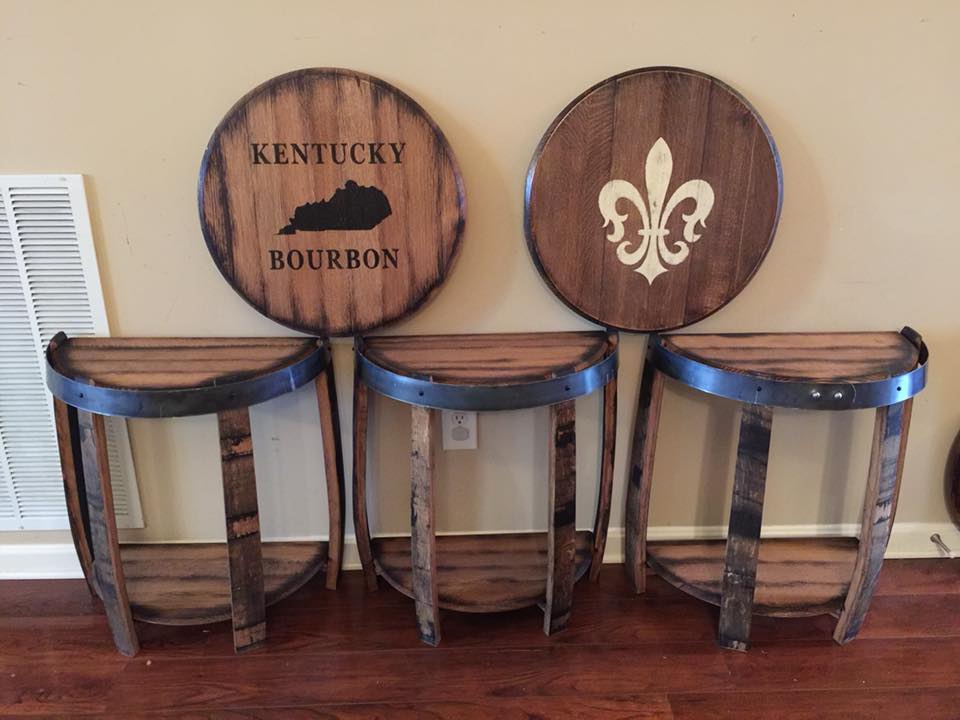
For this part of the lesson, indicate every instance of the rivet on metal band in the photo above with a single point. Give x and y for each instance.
(747, 388)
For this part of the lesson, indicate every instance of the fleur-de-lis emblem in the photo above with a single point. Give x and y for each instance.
(653, 244)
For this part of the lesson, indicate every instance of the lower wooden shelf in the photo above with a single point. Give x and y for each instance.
(808, 576)
(189, 583)
(481, 573)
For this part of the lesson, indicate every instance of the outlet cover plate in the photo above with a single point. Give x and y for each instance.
(459, 430)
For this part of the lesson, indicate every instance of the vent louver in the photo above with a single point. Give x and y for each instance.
(48, 282)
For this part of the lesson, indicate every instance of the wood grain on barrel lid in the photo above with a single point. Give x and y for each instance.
(331, 201)
(652, 199)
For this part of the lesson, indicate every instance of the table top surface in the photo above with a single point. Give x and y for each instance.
(169, 363)
(502, 371)
(803, 357)
(485, 360)
(166, 377)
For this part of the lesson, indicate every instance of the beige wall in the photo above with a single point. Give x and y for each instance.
(862, 99)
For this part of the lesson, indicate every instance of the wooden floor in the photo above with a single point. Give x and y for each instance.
(353, 654)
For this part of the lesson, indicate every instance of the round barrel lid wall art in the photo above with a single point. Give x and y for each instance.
(652, 199)
(331, 201)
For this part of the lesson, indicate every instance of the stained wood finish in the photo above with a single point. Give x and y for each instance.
(107, 566)
(253, 180)
(189, 583)
(798, 357)
(333, 469)
(743, 537)
(74, 488)
(636, 128)
(562, 517)
(171, 363)
(489, 359)
(361, 522)
(481, 573)
(608, 450)
(883, 487)
(423, 541)
(647, 657)
(794, 577)
(640, 480)
(783, 704)
(814, 357)
(243, 529)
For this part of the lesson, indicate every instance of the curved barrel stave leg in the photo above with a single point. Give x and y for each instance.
(107, 564)
(743, 537)
(243, 529)
(879, 507)
(361, 523)
(562, 514)
(75, 493)
(423, 540)
(607, 453)
(641, 473)
(333, 469)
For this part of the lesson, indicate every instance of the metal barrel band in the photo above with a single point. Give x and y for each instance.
(445, 396)
(789, 394)
(186, 401)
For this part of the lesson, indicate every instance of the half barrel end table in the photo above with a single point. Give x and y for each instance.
(186, 584)
(780, 577)
(487, 573)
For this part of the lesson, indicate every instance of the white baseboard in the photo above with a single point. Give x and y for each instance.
(39, 561)
(908, 540)
(42, 561)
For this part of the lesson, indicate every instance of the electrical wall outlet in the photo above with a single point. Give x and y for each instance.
(459, 430)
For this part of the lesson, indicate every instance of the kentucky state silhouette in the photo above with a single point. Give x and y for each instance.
(352, 207)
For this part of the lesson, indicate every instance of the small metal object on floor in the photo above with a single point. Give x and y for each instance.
(941, 545)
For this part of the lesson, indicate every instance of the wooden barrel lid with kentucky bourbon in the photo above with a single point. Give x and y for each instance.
(331, 201)
(652, 199)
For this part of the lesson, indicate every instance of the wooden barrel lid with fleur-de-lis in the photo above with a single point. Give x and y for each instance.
(652, 199)
(331, 201)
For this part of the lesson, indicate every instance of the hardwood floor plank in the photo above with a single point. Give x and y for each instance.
(933, 576)
(626, 622)
(46, 598)
(645, 707)
(325, 622)
(31, 688)
(421, 675)
(454, 674)
(355, 654)
(900, 616)
(867, 704)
